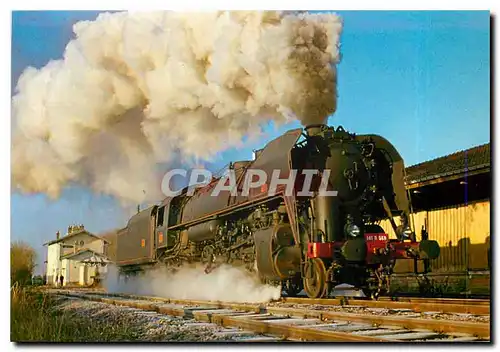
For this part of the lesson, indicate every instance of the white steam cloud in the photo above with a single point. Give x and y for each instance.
(135, 90)
(226, 284)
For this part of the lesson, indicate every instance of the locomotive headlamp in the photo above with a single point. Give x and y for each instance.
(353, 230)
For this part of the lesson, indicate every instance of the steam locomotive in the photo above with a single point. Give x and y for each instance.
(310, 242)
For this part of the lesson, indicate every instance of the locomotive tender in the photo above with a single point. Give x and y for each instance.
(303, 242)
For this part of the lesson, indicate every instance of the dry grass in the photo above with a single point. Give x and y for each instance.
(35, 318)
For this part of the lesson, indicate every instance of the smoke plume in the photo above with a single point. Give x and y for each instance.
(226, 284)
(135, 90)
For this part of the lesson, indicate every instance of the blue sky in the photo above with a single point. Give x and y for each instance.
(420, 79)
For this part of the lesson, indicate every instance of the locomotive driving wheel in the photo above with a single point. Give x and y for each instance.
(315, 278)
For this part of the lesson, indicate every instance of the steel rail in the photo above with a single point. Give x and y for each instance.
(438, 300)
(417, 304)
(476, 307)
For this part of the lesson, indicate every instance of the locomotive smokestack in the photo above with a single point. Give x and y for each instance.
(312, 130)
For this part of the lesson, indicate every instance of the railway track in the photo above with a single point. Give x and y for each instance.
(444, 305)
(278, 321)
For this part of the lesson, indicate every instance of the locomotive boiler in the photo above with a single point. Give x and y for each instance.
(301, 239)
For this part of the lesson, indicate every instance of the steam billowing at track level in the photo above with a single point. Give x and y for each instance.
(135, 90)
(225, 283)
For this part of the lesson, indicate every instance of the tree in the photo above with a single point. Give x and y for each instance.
(22, 263)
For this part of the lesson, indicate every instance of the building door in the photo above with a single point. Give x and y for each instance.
(83, 275)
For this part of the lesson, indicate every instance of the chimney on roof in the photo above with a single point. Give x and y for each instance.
(57, 235)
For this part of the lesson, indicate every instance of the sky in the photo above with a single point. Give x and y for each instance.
(420, 79)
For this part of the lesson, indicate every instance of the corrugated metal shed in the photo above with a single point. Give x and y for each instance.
(463, 233)
(462, 226)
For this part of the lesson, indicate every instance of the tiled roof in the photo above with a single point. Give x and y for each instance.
(471, 159)
(84, 258)
(73, 234)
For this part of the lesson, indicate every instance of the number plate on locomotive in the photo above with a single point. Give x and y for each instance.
(376, 237)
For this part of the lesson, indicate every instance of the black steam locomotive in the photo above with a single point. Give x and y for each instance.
(303, 241)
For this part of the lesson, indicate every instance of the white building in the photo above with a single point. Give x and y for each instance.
(79, 257)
